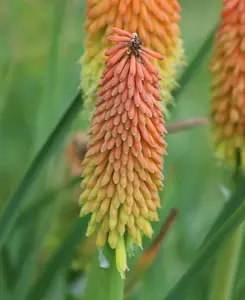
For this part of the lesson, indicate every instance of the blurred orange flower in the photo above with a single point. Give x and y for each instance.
(122, 168)
(228, 81)
(155, 21)
(75, 153)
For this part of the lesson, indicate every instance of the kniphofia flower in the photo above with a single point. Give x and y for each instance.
(228, 81)
(122, 168)
(156, 22)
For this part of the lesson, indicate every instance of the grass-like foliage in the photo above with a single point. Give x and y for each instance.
(44, 253)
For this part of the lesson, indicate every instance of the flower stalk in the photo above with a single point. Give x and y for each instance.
(104, 281)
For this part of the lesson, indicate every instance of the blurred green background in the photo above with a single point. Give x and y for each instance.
(41, 43)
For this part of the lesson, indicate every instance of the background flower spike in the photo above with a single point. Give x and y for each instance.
(228, 84)
(156, 22)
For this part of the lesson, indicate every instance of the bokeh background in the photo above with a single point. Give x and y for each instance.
(41, 43)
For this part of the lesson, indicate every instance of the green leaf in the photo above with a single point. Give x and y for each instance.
(6, 86)
(7, 272)
(50, 86)
(29, 252)
(60, 259)
(59, 288)
(42, 209)
(226, 265)
(240, 289)
(50, 196)
(10, 213)
(211, 248)
(196, 62)
(230, 207)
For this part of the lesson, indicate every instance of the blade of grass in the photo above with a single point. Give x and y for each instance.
(50, 196)
(58, 261)
(28, 266)
(8, 40)
(6, 84)
(10, 213)
(59, 287)
(225, 270)
(229, 207)
(209, 250)
(3, 277)
(7, 271)
(29, 253)
(50, 86)
(226, 266)
(240, 289)
(196, 62)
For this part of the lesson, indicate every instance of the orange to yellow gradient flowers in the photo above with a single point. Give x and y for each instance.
(122, 168)
(155, 21)
(228, 81)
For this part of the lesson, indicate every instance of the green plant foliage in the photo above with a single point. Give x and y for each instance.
(9, 215)
(41, 43)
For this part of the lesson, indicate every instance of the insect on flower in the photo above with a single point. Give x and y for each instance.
(123, 165)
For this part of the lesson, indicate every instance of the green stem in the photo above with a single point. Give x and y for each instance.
(104, 283)
(226, 267)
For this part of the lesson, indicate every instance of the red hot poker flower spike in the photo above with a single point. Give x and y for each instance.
(123, 165)
(228, 83)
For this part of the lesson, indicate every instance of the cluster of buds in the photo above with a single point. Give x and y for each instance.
(228, 81)
(123, 164)
(155, 21)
